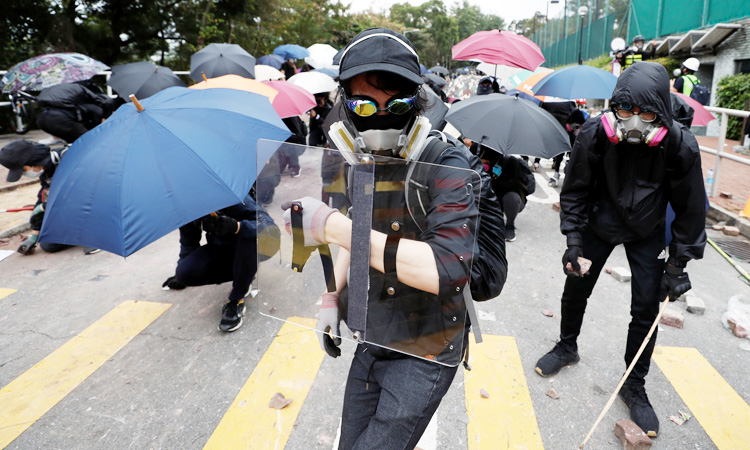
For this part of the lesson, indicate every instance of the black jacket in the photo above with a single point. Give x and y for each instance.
(621, 190)
(515, 176)
(81, 103)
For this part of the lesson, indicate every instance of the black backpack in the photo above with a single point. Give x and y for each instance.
(490, 267)
(700, 93)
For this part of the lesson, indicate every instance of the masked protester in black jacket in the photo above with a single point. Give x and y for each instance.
(625, 166)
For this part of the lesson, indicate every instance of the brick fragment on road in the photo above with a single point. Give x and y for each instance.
(731, 231)
(552, 394)
(483, 392)
(737, 329)
(631, 436)
(621, 274)
(548, 313)
(556, 206)
(672, 317)
(727, 195)
(719, 226)
(695, 305)
(278, 401)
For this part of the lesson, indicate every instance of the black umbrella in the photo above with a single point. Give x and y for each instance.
(437, 79)
(142, 79)
(435, 111)
(222, 59)
(440, 70)
(510, 125)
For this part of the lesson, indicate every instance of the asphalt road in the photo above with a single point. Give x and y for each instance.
(173, 378)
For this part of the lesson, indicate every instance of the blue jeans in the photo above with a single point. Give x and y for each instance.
(388, 403)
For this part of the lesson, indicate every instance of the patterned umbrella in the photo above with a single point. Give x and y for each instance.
(463, 87)
(49, 70)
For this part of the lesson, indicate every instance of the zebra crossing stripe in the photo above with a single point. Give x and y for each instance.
(720, 410)
(4, 292)
(497, 369)
(27, 398)
(289, 367)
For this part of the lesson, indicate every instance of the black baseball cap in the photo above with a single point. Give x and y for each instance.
(380, 49)
(14, 156)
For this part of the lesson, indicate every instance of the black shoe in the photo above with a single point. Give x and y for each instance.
(641, 411)
(551, 363)
(231, 316)
(510, 234)
(296, 171)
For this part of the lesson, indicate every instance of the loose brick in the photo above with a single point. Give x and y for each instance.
(724, 194)
(737, 329)
(695, 305)
(731, 231)
(672, 317)
(719, 226)
(631, 436)
(621, 274)
(556, 206)
(552, 394)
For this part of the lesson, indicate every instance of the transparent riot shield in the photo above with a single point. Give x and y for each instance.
(421, 219)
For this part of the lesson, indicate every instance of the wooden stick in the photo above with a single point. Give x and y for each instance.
(627, 372)
(136, 102)
(204, 76)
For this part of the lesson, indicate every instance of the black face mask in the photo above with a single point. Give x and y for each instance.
(381, 122)
(483, 89)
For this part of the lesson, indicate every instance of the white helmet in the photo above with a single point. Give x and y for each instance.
(692, 64)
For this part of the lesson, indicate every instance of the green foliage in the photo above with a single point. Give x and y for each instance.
(733, 91)
(669, 63)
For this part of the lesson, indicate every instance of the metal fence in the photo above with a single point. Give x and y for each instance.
(656, 18)
(593, 39)
(720, 153)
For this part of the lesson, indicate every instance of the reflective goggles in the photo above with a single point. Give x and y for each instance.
(366, 108)
(625, 112)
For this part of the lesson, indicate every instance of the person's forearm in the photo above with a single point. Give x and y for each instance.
(415, 261)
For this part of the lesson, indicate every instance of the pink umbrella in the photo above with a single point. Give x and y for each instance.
(701, 116)
(499, 47)
(291, 100)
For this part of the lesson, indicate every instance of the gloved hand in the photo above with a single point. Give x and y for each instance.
(219, 225)
(675, 280)
(571, 255)
(328, 320)
(27, 246)
(172, 284)
(314, 216)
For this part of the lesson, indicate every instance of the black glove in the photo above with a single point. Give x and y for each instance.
(219, 225)
(172, 284)
(571, 255)
(675, 281)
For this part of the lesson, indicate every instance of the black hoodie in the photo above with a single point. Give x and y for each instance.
(621, 190)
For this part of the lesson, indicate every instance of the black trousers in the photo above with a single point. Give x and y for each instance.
(216, 264)
(512, 206)
(647, 271)
(60, 124)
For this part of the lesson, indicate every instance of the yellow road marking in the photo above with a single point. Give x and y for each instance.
(27, 398)
(507, 416)
(720, 410)
(289, 366)
(4, 292)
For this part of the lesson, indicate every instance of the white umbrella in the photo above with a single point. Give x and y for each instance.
(321, 56)
(314, 82)
(498, 70)
(266, 73)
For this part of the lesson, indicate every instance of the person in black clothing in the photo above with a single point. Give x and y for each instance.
(512, 182)
(573, 125)
(34, 160)
(289, 155)
(622, 172)
(636, 53)
(70, 110)
(323, 105)
(487, 86)
(288, 68)
(230, 254)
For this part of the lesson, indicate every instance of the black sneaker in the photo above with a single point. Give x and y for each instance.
(641, 411)
(510, 234)
(551, 363)
(231, 316)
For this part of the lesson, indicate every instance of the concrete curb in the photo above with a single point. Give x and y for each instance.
(720, 214)
(20, 228)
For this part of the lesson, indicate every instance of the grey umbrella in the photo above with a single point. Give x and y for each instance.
(440, 70)
(142, 79)
(437, 79)
(510, 125)
(222, 59)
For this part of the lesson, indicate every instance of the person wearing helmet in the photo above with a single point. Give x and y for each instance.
(487, 85)
(413, 274)
(687, 81)
(636, 53)
(625, 166)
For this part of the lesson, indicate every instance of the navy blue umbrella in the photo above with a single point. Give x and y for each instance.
(577, 82)
(144, 173)
(291, 51)
(274, 61)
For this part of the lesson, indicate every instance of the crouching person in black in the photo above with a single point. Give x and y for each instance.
(230, 254)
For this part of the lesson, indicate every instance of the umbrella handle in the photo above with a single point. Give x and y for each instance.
(136, 102)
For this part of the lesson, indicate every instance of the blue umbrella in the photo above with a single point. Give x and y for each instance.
(142, 174)
(291, 51)
(577, 82)
(330, 72)
(274, 61)
(423, 69)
